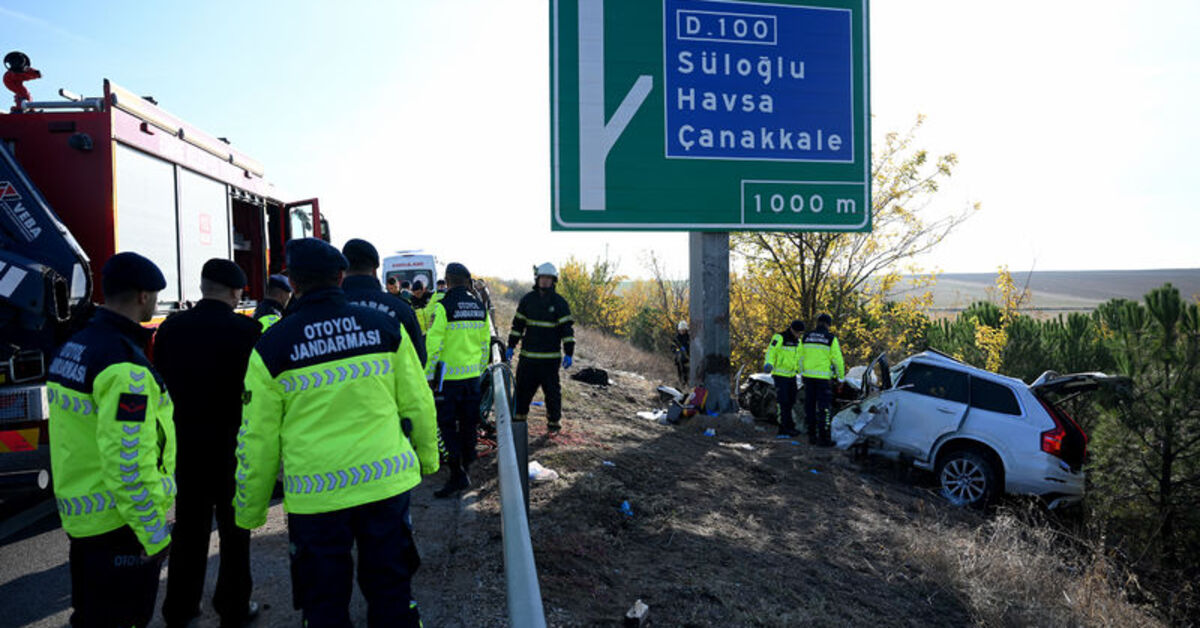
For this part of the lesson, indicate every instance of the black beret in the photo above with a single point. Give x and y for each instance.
(797, 325)
(128, 271)
(454, 269)
(360, 253)
(824, 319)
(224, 272)
(279, 282)
(310, 255)
(417, 284)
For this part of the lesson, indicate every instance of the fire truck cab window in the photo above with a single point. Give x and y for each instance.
(301, 224)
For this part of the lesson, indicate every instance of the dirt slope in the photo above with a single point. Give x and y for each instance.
(774, 534)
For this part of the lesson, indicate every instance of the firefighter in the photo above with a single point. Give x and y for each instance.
(202, 355)
(822, 361)
(458, 344)
(337, 393)
(112, 451)
(270, 309)
(683, 346)
(542, 325)
(783, 362)
(361, 286)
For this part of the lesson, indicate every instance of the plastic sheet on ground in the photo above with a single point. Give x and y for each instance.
(538, 473)
(652, 416)
(860, 421)
(742, 446)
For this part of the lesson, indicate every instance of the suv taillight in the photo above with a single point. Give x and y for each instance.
(1052, 439)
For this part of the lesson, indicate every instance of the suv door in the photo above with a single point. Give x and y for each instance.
(997, 416)
(930, 401)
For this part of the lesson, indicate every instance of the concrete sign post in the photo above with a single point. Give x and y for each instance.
(710, 116)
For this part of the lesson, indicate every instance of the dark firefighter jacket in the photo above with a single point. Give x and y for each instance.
(542, 323)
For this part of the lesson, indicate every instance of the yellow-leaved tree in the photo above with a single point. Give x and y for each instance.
(855, 277)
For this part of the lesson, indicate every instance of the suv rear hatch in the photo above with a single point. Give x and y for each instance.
(1067, 439)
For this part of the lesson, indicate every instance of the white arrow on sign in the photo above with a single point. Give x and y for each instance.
(596, 138)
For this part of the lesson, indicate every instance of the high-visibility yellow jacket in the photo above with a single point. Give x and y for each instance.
(112, 437)
(783, 354)
(459, 337)
(822, 355)
(425, 314)
(268, 312)
(331, 389)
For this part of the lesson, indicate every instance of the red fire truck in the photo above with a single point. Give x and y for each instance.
(84, 178)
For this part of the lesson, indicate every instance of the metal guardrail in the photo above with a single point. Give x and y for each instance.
(520, 572)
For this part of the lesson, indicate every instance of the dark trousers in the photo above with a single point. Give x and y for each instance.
(535, 372)
(818, 399)
(111, 583)
(323, 568)
(458, 419)
(198, 501)
(785, 395)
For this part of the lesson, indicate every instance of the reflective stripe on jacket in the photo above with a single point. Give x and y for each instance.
(783, 354)
(460, 336)
(822, 355)
(112, 435)
(329, 390)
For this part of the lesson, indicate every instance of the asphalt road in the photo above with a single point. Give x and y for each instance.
(35, 583)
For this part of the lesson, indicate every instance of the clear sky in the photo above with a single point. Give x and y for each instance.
(425, 124)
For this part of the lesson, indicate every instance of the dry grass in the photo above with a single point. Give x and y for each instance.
(780, 535)
(596, 348)
(1011, 573)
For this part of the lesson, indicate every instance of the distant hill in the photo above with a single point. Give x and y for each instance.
(1064, 290)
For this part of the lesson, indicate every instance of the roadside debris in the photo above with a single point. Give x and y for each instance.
(538, 473)
(626, 509)
(742, 446)
(592, 376)
(636, 616)
(710, 432)
(652, 416)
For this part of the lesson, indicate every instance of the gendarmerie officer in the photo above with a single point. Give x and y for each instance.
(362, 287)
(459, 340)
(112, 450)
(271, 308)
(202, 355)
(336, 393)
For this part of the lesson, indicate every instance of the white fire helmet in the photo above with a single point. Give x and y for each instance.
(546, 269)
(682, 326)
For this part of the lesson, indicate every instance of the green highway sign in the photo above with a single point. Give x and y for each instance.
(710, 115)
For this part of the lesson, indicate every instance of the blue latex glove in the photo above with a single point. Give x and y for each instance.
(767, 368)
(567, 361)
(508, 354)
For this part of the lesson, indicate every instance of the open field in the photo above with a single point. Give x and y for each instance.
(1058, 291)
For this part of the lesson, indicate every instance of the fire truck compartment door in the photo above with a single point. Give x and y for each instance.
(203, 227)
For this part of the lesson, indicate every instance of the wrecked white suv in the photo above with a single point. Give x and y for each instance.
(982, 434)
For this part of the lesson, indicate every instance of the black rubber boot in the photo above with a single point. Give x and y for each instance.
(459, 481)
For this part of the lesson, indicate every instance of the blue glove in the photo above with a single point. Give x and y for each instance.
(508, 354)
(567, 361)
(767, 368)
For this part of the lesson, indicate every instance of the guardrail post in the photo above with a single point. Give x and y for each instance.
(521, 447)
